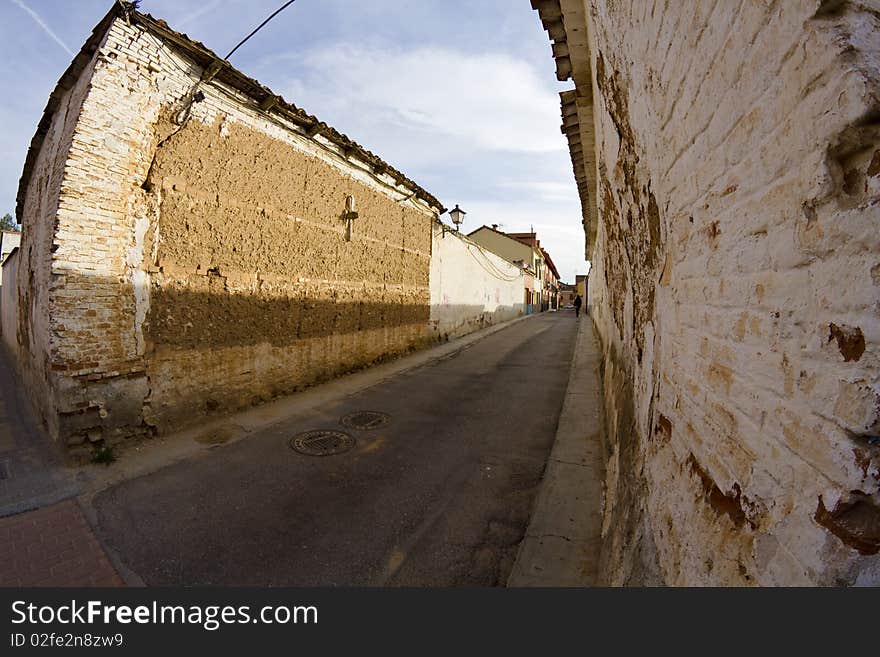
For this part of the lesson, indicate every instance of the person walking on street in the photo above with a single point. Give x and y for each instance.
(578, 302)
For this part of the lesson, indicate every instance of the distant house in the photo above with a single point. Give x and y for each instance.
(582, 289)
(567, 294)
(542, 288)
(548, 277)
(551, 283)
(514, 250)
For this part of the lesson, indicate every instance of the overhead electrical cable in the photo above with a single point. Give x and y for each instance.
(259, 27)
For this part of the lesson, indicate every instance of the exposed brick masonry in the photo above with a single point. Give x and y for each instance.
(734, 284)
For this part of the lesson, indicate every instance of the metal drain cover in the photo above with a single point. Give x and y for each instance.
(365, 420)
(322, 442)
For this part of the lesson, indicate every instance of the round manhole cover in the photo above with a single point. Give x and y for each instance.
(322, 442)
(366, 420)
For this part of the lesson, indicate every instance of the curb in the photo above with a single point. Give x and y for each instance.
(563, 541)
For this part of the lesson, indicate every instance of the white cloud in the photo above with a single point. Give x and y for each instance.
(488, 101)
(545, 190)
(198, 13)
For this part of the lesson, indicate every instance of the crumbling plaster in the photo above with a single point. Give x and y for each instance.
(734, 287)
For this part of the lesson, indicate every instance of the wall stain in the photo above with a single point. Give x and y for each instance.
(863, 461)
(664, 429)
(729, 504)
(635, 250)
(874, 166)
(850, 341)
(720, 376)
(629, 531)
(633, 260)
(856, 522)
(713, 231)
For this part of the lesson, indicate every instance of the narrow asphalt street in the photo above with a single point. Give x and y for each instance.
(440, 495)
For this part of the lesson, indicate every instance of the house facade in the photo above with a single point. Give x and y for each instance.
(551, 283)
(567, 294)
(527, 256)
(547, 278)
(581, 286)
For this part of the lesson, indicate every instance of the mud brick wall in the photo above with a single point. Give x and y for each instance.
(258, 292)
(204, 267)
(736, 288)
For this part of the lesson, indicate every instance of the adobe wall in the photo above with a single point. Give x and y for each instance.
(471, 287)
(201, 268)
(258, 293)
(736, 287)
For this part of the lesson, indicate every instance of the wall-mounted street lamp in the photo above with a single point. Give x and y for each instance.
(457, 215)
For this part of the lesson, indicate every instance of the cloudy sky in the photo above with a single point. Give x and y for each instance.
(460, 95)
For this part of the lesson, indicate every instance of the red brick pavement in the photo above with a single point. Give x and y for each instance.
(53, 546)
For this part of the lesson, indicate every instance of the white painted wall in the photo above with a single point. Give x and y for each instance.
(9, 239)
(9, 302)
(470, 287)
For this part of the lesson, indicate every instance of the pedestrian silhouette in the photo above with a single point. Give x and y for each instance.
(578, 302)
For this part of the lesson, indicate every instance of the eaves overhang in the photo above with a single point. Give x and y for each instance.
(567, 25)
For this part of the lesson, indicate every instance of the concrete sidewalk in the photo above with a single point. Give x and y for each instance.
(563, 541)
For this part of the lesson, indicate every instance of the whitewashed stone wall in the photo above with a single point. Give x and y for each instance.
(471, 287)
(736, 288)
(9, 303)
(9, 240)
